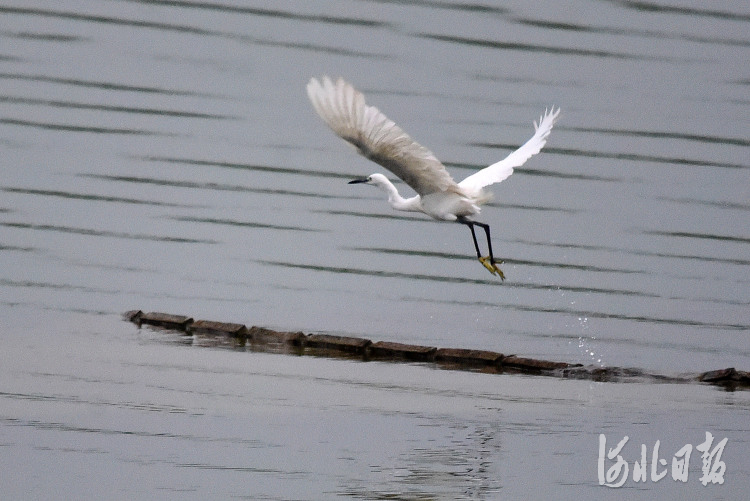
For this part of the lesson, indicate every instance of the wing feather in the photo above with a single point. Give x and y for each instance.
(504, 168)
(377, 137)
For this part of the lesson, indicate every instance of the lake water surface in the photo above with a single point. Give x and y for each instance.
(162, 155)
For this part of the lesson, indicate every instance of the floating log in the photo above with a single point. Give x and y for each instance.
(387, 349)
(338, 343)
(533, 364)
(179, 322)
(614, 374)
(729, 378)
(208, 327)
(133, 316)
(267, 336)
(742, 377)
(468, 357)
(715, 376)
(261, 338)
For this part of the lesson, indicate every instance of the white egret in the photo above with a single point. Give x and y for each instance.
(379, 139)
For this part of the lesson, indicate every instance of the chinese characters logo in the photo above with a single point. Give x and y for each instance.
(712, 467)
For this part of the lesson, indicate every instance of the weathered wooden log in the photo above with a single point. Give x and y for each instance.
(262, 335)
(179, 322)
(464, 356)
(452, 358)
(717, 376)
(208, 327)
(338, 343)
(133, 316)
(532, 364)
(386, 349)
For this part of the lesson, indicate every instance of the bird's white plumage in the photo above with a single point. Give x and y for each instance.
(501, 170)
(379, 139)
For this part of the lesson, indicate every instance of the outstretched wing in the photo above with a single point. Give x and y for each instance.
(501, 170)
(376, 137)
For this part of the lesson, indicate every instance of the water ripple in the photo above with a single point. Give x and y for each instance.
(375, 215)
(565, 175)
(105, 233)
(706, 236)
(709, 203)
(449, 279)
(243, 224)
(104, 85)
(600, 314)
(525, 47)
(266, 12)
(509, 261)
(684, 11)
(54, 286)
(246, 166)
(83, 128)
(45, 37)
(91, 197)
(17, 248)
(447, 5)
(637, 252)
(187, 29)
(115, 109)
(610, 30)
(664, 135)
(203, 186)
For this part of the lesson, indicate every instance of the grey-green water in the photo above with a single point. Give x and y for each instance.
(163, 156)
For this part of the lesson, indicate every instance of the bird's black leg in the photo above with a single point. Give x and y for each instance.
(492, 264)
(470, 224)
(489, 241)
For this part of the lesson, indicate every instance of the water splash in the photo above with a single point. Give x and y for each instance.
(586, 343)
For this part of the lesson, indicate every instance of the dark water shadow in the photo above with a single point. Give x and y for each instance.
(203, 185)
(93, 198)
(242, 224)
(104, 233)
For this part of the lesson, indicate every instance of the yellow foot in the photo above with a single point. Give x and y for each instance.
(492, 267)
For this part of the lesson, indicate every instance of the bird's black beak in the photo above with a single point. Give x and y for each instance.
(358, 181)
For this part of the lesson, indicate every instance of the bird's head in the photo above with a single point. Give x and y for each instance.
(374, 179)
(397, 201)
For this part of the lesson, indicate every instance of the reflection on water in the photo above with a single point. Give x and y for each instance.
(162, 155)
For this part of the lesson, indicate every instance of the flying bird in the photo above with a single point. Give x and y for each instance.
(379, 139)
